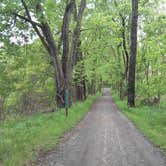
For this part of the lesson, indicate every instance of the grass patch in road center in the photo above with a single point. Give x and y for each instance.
(149, 119)
(21, 139)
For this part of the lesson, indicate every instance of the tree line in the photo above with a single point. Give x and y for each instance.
(80, 46)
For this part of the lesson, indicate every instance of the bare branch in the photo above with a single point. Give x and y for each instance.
(27, 20)
(35, 26)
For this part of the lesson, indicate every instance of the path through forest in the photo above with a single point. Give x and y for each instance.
(104, 138)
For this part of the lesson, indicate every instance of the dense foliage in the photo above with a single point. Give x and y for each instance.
(28, 79)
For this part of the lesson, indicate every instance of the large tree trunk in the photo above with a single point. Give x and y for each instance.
(133, 52)
(62, 69)
(77, 56)
(66, 58)
(50, 45)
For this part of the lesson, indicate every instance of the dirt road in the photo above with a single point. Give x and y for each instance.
(104, 138)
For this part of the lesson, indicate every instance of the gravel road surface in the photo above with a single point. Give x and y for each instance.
(104, 138)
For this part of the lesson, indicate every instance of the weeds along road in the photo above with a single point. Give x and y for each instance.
(104, 138)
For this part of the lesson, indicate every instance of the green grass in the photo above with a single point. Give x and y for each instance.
(21, 139)
(149, 119)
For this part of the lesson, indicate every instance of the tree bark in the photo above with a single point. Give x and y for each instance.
(133, 53)
(76, 54)
(66, 58)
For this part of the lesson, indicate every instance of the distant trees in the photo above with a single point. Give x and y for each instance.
(119, 47)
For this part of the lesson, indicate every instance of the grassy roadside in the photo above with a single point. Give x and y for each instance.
(23, 138)
(150, 120)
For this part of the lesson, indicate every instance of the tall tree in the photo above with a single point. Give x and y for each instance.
(133, 53)
(43, 30)
(124, 16)
(61, 53)
(77, 55)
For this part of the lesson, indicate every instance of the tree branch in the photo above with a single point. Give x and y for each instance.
(35, 26)
(27, 20)
(76, 52)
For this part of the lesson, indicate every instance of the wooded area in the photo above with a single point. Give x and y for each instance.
(48, 47)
